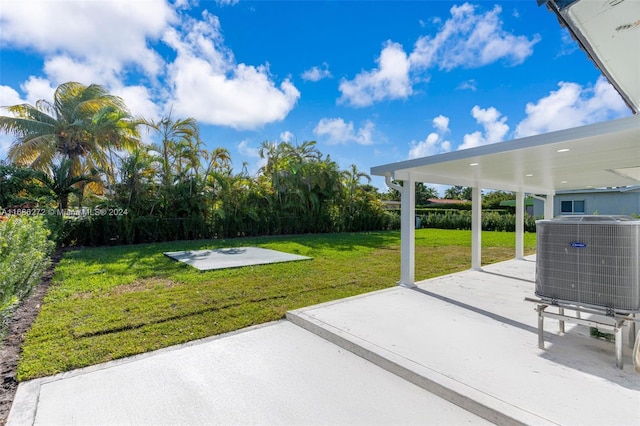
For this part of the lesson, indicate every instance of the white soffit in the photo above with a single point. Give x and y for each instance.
(609, 30)
(598, 155)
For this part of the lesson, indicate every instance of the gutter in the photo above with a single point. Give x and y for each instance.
(387, 180)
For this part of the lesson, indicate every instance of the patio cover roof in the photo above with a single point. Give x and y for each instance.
(609, 32)
(598, 155)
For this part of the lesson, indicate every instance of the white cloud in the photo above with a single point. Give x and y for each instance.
(184, 4)
(5, 143)
(467, 39)
(248, 151)
(467, 85)
(570, 106)
(389, 81)
(253, 154)
(494, 124)
(287, 136)
(203, 81)
(8, 97)
(567, 44)
(71, 26)
(209, 86)
(441, 123)
(63, 68)
(340, 132)
(74, 51)
(222, 3)
(37, 88)
(316, 73)
(435, 142)
(139, 101)
(471, 40)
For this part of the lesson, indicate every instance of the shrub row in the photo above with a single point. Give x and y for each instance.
(117, 230)
(125, 229)
(24, 256)
(421, 211)
(460, 219)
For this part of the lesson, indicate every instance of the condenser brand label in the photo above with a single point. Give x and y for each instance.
(578, 245)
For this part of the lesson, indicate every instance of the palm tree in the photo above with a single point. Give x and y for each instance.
(351, 180)
(135, 188)
(176, 136)
(301, 182)
(61, 183)
(179, 146)
(84, 124)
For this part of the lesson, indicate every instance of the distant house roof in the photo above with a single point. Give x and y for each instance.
(609, 32)
(446, 201)
(619, 189)
(391, 205)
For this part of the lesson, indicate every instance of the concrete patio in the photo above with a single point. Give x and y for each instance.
(457, 349)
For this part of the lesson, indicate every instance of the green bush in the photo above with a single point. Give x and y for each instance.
(118, 230)
(95, 230)
(24, 256)
(492, 220)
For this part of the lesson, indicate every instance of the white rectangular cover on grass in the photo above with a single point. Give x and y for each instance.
(233, 257)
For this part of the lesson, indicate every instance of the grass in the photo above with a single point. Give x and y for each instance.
(109, 303)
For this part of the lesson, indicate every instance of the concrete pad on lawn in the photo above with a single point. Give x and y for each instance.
(276, 374)
(233, 257)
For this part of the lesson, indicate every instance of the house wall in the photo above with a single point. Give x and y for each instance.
(538, 208)
(613, 202)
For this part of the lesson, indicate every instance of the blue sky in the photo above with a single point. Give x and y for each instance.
(371, 82)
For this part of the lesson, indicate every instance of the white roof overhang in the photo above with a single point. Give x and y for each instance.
(598, 155)
(609, 31)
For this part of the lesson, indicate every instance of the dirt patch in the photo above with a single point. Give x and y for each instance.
(144, 284)
(18, 325)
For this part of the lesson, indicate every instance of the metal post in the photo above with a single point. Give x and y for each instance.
(618, 336)
(408, 233)
(476, 228)
(632, 331)
(635, 353)
(540, 309)
(560, 322)
(520, 225)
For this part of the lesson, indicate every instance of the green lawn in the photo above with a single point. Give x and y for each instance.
(108, 303)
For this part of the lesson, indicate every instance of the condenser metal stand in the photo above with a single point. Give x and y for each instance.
(614, 326)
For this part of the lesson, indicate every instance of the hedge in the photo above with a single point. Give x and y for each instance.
(119, 230)
(24, 256)
(461, 219)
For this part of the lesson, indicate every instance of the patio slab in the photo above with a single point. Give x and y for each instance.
(234, 257)
(472, 339)
(457, 349)
(276, 374)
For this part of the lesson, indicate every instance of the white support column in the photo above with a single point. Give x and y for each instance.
(548, 206)
(520, 225)
(476, 228)
(408, 233)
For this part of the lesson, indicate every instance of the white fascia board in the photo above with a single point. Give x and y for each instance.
(510, 160)
(558, 137)
(461, 181)
(609, 32)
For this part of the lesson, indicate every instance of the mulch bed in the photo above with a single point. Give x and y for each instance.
(18, 325)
